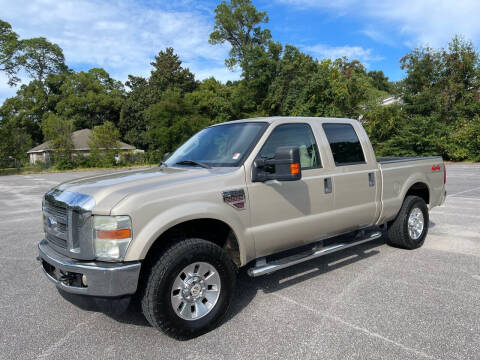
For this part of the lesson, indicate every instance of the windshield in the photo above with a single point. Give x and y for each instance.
(221, 145)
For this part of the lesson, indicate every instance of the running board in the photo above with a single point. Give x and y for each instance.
(264, 268)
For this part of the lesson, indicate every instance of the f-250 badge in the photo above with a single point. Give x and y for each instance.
(235, 198)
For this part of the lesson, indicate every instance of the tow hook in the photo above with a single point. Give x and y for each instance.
(66, 278)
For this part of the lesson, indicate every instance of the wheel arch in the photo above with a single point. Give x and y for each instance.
(210, 229)
(419, 189)
(400, 186)
(208, 222)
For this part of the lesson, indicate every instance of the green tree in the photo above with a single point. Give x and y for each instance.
(16, 141)
(380, 81)
(171, 121)
(294, 70)
(58, 132)
(40, 58)
(167, 74)
(9, 47)
(261, 67)
(90, 98)
(442, 88)
(104, 143)
(212, 100)
(132, 122)
(466, 140)
(28, 108)
(238, 23)
(383, 123)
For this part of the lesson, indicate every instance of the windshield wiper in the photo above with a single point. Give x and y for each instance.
(193, 162)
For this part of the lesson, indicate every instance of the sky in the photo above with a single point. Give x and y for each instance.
(123, 36)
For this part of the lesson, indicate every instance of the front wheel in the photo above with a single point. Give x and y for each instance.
(189, 289)
(410, 227)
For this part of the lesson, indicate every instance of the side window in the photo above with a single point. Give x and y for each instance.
(300, 135)
(344, 143)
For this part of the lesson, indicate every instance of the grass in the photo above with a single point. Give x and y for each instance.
(33, 170)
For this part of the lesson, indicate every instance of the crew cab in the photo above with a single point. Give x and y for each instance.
(263, 193)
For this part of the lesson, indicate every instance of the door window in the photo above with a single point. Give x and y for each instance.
(344, 143)
(299, 135)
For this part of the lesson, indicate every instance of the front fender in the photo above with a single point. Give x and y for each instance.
(144, 239)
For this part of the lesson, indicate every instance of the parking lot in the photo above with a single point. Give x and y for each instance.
(368, 302)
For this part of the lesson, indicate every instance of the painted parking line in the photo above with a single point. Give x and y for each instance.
(464, 191)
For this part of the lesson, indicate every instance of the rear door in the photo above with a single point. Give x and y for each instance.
(355, 176)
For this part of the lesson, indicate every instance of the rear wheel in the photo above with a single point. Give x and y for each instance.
(189, 289)
(410, 227)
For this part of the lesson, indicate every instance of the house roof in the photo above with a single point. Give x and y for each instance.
(80, 139)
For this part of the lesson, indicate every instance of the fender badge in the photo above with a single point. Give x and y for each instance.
(235, 198)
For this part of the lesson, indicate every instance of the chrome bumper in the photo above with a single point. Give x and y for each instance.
(103, 279)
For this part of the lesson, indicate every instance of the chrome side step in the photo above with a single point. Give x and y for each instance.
(264, 268)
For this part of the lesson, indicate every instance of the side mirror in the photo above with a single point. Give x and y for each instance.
(285, 166)
(166, 156)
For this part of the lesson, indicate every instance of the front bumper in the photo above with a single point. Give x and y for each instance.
(103, 279)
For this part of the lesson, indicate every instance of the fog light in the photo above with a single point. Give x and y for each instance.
(84, 280)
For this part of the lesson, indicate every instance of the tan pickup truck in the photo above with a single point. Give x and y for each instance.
(262, 193)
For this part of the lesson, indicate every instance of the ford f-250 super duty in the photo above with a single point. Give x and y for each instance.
(262, 193)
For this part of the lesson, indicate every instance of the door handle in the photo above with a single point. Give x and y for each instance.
(327, 185)
(371, 179)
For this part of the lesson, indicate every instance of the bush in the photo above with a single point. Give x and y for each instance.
(38, 166)
(64, 164)
(10, 171)
(132, 158)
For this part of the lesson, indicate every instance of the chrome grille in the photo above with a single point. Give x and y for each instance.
(68, 223)
(55, 224)
(52, 239)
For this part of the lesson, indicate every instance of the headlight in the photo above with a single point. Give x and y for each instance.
(111, 235)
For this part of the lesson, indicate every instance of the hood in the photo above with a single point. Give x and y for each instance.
(109, 189)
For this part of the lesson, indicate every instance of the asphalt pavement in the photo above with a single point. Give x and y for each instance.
(368, 302)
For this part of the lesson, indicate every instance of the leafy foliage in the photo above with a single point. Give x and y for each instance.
(380, 81)
(40, 58)
(436, 106)
(441, 96)
(90, 98)
(104, 141)
(16, 141)
(166, 78)
(237, 22)
(9, 47)
(58, 132)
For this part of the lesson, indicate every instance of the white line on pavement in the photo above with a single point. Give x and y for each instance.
(355, 327)
(464, 191)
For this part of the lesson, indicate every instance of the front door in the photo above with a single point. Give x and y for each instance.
(287, 214)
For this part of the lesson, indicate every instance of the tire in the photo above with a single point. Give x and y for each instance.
(177, 269)
(398, 230)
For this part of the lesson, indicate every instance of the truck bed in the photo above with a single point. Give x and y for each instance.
(402, 173)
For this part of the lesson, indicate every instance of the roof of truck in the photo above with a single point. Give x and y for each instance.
(273, 119)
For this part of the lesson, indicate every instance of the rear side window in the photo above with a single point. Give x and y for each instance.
(344, 143)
